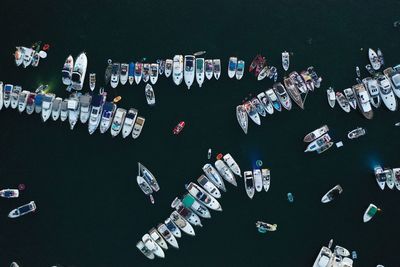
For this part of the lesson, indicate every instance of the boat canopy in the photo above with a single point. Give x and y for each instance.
(371, 211)
(188, 201)
(130, 116)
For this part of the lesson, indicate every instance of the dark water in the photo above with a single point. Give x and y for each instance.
(90, 210)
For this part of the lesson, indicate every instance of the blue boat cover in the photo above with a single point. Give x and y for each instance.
(38, 99)
(131, 69)
(8, 88)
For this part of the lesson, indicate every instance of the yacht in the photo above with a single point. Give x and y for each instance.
(298, 82)
(130, 119)
(27, 57)
(274, 99)
(64, 110)
(151, 245)
(22, 100)
(348, 92)
(182, 223)
(79, 72)
(56, 108)
(380, 176)
(7, 95)
(332, 194)
(258, 184)
(266, 179)
(153, 73)
(263, 73)
(284, 98)
(9, 193)
(158, 238)
(115, 75)
(96, 110)
(374, 59)
(167, 235)
(150, 96)
(30, 103)
(225, 172)
(107, 116)
(123, 74)
(84, 101)
(242, 118)
(173, 228)
(356, 133)
(189, 70)
(73, 110)
(137, 127)
(363, 102)
(138, 72)
(214, 176)
(232, 67)
(252, 112)
(47, 105)
(393, 74)
(131, 73)
(343, 102)
(266, 102)
(390, 179)
(92, 81)
(293, 92)
(203, 197)
(148, 176)
(200, 71)
(67, 70)
(168, 67)
(209, 68)
(146, 72)
(330, 93)
(373, 90)
(38, 102)
(147, 252)
(208, 186)
(231, 163)
(22, 210)
(240, 70)
(118, 121)
(370, 212)
(249, 183)
(386, 93)
(177, 69)
(285, 60)
(14, 96)
(259, 107)
(217, 68)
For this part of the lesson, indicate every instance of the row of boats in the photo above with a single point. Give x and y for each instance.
(319, 140)
(339, 257)
(26, 56)
(387, 177)
(295, 88)
(93, 109)
(73, 73)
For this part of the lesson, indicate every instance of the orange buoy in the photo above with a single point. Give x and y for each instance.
(219, 156)
(46, 47)
(117, 99)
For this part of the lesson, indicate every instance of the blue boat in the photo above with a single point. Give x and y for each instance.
(38, 102)
(131, 72)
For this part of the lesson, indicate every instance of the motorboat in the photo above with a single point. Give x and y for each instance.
(258, 184)
(189, 202)
(131, 73)
(150, 96)
(64, 110)
(138, 72)
(343, 102)
(79, 72)
(200, 71)
(358, 73)
(168, 67)
(330, 93)
(282, 95)
(1, 95)
(30, 103)
(96, 111)
(203, 196)
(341, 251)
(173, 228)
(217, 68)
(108, 72)
(249, 184)
(293, 92)
(38, 102)
(208, 186)
(318, 143)
(255, 62)
(261, 64)
(155, 235)
(167, 235)
(137, 127)
(27, 57)
(177, 69)
(14, 96)
(47, 105)
(374, 59)
(115, 74)
(147, 252)
(242, 118)
(231, 163)
(324, 147)
(307, 80)
(73, 110)
(182, 223)
(123, 74)
(151, 245)
(380, 176)
(22, 210)
(19, 55)
(146, 72)
(332, 194)
(273, 73)
(116, 125)
(363, 101)
(259, 107)
(190, 216)
(56, 108)
(9, 193)
(370, 212)
(161, 66)
(148, 176)
(130, 119)
(327, 258)
(214, 176)
(348, 92)
(107, 116)
(274, 99)
(285, 60)
(145, 187)
(386, 93)
(314, 76)
(266, 179)
(396, 173)
(208, 68)
(358, 132)
(67, 70)
(390, 178)
(266, 102)
(84, 103)
(263, 73)
(298, 82)
(373, 90)
(178, 128)
(189, 70)
(232, 67)
(153, 73)
(92, 81)
(252, 112)
(225, 172)
(209, 153)
(264, 227)
(22, 100)
(393, 74)
(240, 70)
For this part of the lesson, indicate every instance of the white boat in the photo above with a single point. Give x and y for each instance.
(30, 103)
(370, 212)
(22, 100)
(22, 210)
(84, 102)
(203, 196)
(182, 223)
(208, 68)
(73, 110)
(316, 134)
(67, 70)
(232, 67)
(390, 178)
(147, 252)
(285, 60)
(200, 71)
(145, 187)
(269, 108)
(146, 72)
(14, 96)
(96, 111)
(138, 72)
(56, 109)
(123, 75)
(167, 235)
(283, 96)
(258, 184)
(79, 72)
(208, 186)
(155, 235)
(190, 216)
(137, 127)
(263, 73)
(341, 251)
(373, 90)
(231, 163)
(330, 93)
(150, 96)
(130, 119)
(386, 93)
(273, 99)
(252, 112)
(293, 92)
(168, 67)
(332, 194)
(153, 73)
(189, 202)
(242, 118)
(64, 110)
(393, 74)
(189, 70)
(356, 133)
(240, 70)
(153, 246)
(249, 183)
(118, 121)
(363, 102)
(374, 59)
(173, 228)
(131, 73)
(380, 177)
(38, 102)
(214, 176)
(47, 105)
(92, 81)
(225, 172)
(217, 68)
(19, 55)
(323, 143)
(348, 92)
(107, 116)
(148, 176)
(259, 107)
(396, 173)
(266, 179)
(343, 102)
(27, 57)
(115, 74)
(9, 193)
(177, 69)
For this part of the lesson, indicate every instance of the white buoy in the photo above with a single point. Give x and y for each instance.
(42, 54)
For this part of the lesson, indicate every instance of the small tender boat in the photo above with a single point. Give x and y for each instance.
(153, 73)
(217, 68)
(148, 176)
(208, 186)
(274, 99)
(146, 72)
(73, 110)
(130, 119)
(209, 68)
(264, 227)
(358, 72)
(232, 67)
(225, 172)
(290, 197)
(79, 72)
(158, 238)
(266, 179)
(168, 67)
(214, 176)
(363, 101)
(124, 72)
(318, 143)
(285, 60)
(350, 97)
(138, 72)
(386, 92)
(370, 69)
(373, 89)
(332, 194)
(96, 111)
(249, 183)
(64, 110)
(22, 100)
(258, 184)
(47, 105)
(115, 75)
(189, 70)
(15, 96)
(240, 70)
(330, 93)
(283, 97)
(147, 252)
(153, 246)
(108, 72)
(255, 62)
(137, 128)
(173, 228)
(380, 177)
(343, 102)
(266, 102)
(202, 196)
(67, 70)
(242, 118)
(370, 212)
(293, 92)
(358, 132)
(231, 163)
(84, 102)
(209, 153)
(184, 225)
(263, 73)
(9, 193)
(177, 70)
(252, 112)
(200, 71)
(199, 53)
(131, 73)
(92, 81)
(22, 210)
(259, 107)
(179, 127)
(116, 125)
(167, 235)
(374, 59)
(150, 96)
(107, 116)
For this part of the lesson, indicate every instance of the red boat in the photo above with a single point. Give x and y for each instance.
(260, 65)
(254, 63)
(178, 128)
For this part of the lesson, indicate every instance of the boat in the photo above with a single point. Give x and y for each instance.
(298, 82)
(341, 251)
(373, 90)
(84, 103)
(393, 75)
(363, 102)
(252, 112)
(153, 246)
(130, 119)
(214, 176)
(115, 75)
(285, 60)
(370, 212)
(14, 96)
(131, 73)
(274, 99)
(146, 72)
(396, 173)
(264, 227)
(189, 202)
(182, 223)
(47, 105)
(173, 228)
(240, 70)
(190, 216)
(314, 76)
(66, 72)
(200, 71)
(30, 103)
(148, 176)
(255, 62)
(107, 116)
(64, 110)
(108, 72)
(79, 72)
(374, 59)
(327, 258)
(1, 95)
(358, 132)
(56, 108)
(263, 73)
(38, 102)
(283, 97)
(161, 66)
(231, 163)
(343, 102)
(217, 68)
(330, 93)
(92, 81)
(225, 172)
(189, 70)
(266, 102)
(167, 235)
(358, 73)
(351, 98)
(168, 67)
(177, 70)
(258, 183)
(9, 193)
(153, 73)
(249, 184)
(145, 187)
(138, 72)
(232, 67)
(116, 125)
(208, 186)
(242, 118)
(293, 92)
(137, 128)
(158, 238)
(150, 96)
(380, 177)
(22, 210)
(390, 178)
(386, 93)
(209, 153)
(19, 55)
(22, 100)
(332, 194)
(73, 110)
(209, 68)
(147, 252)
(318, 143)
(203, 196)
(259, 107)
(266, 179)
(324, 147)
(27, 57)
(307, 80)
(179, 127)
(96, 111)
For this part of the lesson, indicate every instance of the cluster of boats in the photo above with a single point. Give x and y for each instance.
(261, 69)
(93, 109)
(26, 56)
(256, 180)
(295, 88)
(339, 257)
(319, 140)
(20, 211)
(387, 177)
(74, 72)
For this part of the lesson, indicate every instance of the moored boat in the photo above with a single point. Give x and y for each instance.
(189, 70)
(168, 67)
(242, 118)
(145, 187)
(200, 71)
(249, 184)
(217, 68)
(370, 212)
(92, 81)
(348, 92)
(393, 74)
(240, 69)
(73, 110)
(153, 246)
(386, 93)
(203, 196)
(108, 72)
(84, 102)
(298, 82)
(259, 107)
(363, 102)
(9, 193)
(22, 100)
(332, 194)
(130, 119)
(56, 108)
(177, 69)
(380, 177)
(252, 112)
(232, 67)
(324, 147)
(167, 235)
(158, 238)
(358, 132)
(66, 73)
(38, 102)
(154, 69)
(118, 121)
(264, 72)
(214, 176)
(96, 111)
(396, 173)
(258, 184)
(79, 72)
(330, 93)
(115, 75)
(318, 143)
(314, 76)
(274, 99)
(138, 72)
(189, 202)
(266, 102)
(147, 252)
(182, 223)
(373, 90)
(146, 72)
(343, 102)
(15, 95)
(293, 92)
(47, 105)
(266, 179)
(22, 210)
(285, 60)
(64, 110)
(107, 116)
(282, 95)
(173, 228)
(225, 172)
(150, 96)
(390, 178)
(137, 128)
(208, 68)
(374, 59)
(131, 73)
(231, 163)
(148, 176)
(19, 55)
(30, 103)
